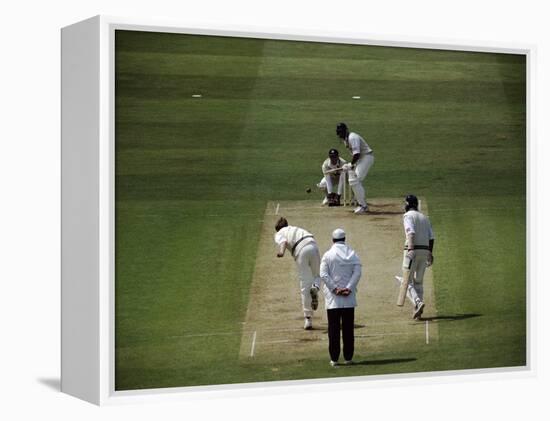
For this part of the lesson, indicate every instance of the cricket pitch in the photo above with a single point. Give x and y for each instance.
(273, 329)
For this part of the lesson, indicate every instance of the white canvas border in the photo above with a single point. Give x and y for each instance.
(106, 214)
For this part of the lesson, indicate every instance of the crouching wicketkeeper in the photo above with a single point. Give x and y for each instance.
(333, 179)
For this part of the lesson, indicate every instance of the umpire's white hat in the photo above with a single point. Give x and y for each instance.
(338, 234)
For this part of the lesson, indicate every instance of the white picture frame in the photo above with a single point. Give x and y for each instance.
(88, 209)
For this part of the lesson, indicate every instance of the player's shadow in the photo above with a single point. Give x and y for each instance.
(384, 362)
(448, 318)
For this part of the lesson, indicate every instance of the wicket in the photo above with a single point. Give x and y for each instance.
(347, 196)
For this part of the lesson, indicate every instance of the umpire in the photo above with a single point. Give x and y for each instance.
(340, 273)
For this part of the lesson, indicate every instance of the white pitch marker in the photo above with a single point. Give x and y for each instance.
(277, 209)
(356, 97)
(253, 344)
(196, 96)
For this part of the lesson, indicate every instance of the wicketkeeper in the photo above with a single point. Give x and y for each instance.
(334, 178)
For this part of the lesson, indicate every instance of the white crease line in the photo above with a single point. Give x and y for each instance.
(282, 341)
(386, 334)
(427, 332)
(420, 205)
(253, 344)
(323, 338)
(371, 326)
(201, 335)
(277, 209)
(374, 207)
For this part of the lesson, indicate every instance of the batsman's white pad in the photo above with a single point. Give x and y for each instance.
(352, 178)
(407, 263)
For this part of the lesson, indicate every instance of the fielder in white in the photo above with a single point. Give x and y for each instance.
(358, 168)
(301, 244)
(417, 256)
(334, 178)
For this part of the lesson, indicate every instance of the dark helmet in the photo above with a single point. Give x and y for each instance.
(411, 202)
(281, 223)
(341, 130)
(333, 153)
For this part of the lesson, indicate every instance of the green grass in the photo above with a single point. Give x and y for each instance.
(193, 177)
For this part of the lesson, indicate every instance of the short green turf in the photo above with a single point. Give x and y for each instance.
(193, 176)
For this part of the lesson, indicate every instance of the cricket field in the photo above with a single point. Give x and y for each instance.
(216, 137)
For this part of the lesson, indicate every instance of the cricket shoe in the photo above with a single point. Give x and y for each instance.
(399, 279)
(314, 292)
(325, 201)
(361, 210)
(418, 309)
(307, 323)
(348, 362)
(333, 363)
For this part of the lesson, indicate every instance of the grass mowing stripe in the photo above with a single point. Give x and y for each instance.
(300, 67)
(182, 44)
(172, 87)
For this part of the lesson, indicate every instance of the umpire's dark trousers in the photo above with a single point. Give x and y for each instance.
(340, 317)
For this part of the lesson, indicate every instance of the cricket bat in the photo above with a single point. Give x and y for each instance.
(403, 287)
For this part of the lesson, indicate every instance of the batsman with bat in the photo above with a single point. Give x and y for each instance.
(417, 256)
(361, 161)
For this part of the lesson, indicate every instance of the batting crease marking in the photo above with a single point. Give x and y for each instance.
(253, 344)
(427, 332)
(277, 210)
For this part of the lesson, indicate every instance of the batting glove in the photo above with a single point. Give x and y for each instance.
(430, 260)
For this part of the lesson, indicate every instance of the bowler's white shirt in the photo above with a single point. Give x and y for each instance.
(340, 268)
(291, 235)
(357, 145)
(417, 223)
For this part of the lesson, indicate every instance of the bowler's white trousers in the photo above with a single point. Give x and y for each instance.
(308, 262)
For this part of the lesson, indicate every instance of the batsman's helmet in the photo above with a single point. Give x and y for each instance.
(333, 153)
(411, 202)
(341, 130)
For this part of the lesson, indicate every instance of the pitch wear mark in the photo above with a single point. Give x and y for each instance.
(253, 344)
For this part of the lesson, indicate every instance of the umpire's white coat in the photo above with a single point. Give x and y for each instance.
(340, 268)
